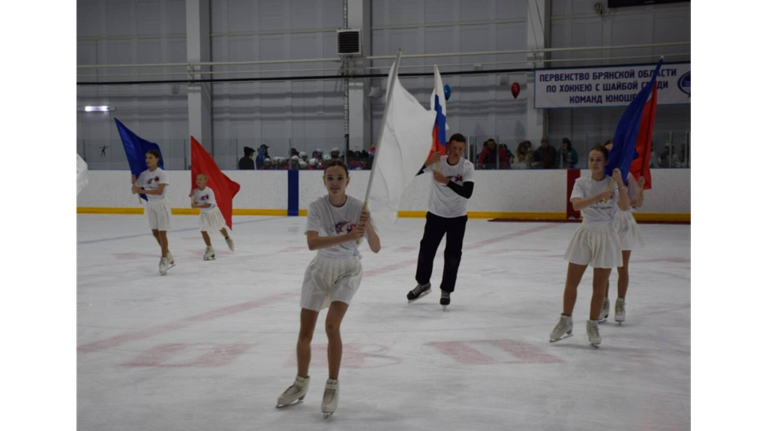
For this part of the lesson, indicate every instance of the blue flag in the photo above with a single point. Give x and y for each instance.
(135, 150)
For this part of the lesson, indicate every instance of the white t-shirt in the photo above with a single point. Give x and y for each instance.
(328, 220)
(443, 201)
(205, 196)
(149, 180)
(600, 211)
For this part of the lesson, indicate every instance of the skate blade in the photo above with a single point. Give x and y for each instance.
(602, 319)
(210, 258)
(170, 265)
(596, 346)
(445, 308)
(619, 322)
(420, 296)
(282, 406)
(555, 340)
(327, 415)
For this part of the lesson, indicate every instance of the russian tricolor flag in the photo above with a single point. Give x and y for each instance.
(437, 104)
(632, 140)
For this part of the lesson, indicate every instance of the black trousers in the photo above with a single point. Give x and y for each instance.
(434, 230)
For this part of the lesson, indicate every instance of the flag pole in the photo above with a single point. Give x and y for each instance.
(137, 194)
(437, 168)
(192, 191)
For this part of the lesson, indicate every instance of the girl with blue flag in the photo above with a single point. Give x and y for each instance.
(154, 184)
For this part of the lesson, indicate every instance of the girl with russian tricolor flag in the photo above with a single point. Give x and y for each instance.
(629, 235)
(596, 242)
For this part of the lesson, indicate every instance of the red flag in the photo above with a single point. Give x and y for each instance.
(224, 188)
(641, 165)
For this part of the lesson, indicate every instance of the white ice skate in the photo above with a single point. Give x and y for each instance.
(171, 262)
(230, 244)
(418, 292)
(295, 393)
(594, 334)
(563, 329)
(330, 398)
(163, 265)
(620, 314)
(209, 254)
(604, 311)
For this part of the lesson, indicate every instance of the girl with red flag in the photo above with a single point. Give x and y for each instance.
(211, 218)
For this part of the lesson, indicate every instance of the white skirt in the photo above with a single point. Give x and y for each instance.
(629, 232)
(596, 245)
(327, 280)
(212, 220)
(158, 214)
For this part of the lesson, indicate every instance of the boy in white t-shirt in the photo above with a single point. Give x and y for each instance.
(452, 186)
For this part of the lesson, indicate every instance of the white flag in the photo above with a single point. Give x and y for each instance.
(82, 173)
(402, 149)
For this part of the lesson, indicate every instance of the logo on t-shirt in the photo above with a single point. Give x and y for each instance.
(149, 181)
(457, 178)
(343, 226)
(204, 198)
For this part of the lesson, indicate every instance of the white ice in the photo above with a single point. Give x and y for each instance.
(210, 346)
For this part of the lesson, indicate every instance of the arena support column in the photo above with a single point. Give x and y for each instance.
(360, 138)
(199, 50)
(538, 38)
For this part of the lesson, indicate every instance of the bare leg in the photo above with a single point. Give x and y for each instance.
(304, 345)
(164, 242)
(156, 234)
(624, 274)
(598, 291)
(206, 238)
(333, 330)
(572, 280)
(224, 232)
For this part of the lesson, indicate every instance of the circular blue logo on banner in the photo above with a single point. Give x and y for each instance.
(684, 84)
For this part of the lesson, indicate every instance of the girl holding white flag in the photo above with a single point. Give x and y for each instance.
(334, 223)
